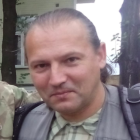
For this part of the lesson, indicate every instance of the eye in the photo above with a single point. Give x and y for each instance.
(72, 60)
(40, 67)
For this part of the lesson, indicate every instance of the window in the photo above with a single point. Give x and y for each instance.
(22, 23)
(19, 53)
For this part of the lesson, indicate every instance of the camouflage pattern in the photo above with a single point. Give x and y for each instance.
(12, 97)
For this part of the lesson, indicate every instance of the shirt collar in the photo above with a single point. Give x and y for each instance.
(89, 124)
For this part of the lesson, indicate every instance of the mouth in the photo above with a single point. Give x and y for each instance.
(61, 94)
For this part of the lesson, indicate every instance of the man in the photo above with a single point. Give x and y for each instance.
(66, 59)
(12, 97)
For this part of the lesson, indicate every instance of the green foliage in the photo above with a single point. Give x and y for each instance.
(23, 22)
(19, 3)
(115, 37)
(22, 78)
(114, 57)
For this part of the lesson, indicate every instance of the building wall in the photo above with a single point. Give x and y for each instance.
(20, 80)
(41, 6)
(85, 1)
(31, 7)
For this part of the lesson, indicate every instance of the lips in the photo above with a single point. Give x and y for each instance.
(61, 93)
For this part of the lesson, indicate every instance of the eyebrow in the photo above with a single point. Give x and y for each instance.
(36, 62)
(72, 53)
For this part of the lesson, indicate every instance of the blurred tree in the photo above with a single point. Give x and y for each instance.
(9, 46)
(129, 59)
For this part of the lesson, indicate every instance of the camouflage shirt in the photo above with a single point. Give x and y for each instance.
(12, 97)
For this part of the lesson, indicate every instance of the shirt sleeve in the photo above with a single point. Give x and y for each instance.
(12, 97)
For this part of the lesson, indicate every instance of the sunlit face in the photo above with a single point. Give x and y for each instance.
(64, 67)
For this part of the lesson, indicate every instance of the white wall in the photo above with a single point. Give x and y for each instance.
(41, 6)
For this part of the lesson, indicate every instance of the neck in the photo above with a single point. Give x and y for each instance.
(89, 110)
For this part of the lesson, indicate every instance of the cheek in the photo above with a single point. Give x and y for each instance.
(84, 72)
(78, 73)
(85, 77)
(79, 76)
(40, 80)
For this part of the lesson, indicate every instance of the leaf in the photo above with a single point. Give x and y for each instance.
(19, 3)
(113, 39)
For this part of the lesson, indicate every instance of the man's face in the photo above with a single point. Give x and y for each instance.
(64, 67)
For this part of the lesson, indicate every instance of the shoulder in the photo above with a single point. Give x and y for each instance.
(7, 90)
(13, 95)
(10, 91)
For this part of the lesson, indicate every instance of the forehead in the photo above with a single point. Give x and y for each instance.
(52, 32)
(56, 40)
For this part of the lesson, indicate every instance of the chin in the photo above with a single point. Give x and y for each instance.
(65, 109)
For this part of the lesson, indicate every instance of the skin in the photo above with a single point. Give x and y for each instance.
(65, 69)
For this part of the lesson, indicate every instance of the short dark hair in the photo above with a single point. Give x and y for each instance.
(58, 16)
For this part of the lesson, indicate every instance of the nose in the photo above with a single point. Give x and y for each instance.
(57, 76)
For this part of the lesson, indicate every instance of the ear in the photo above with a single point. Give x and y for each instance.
(102, 55)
